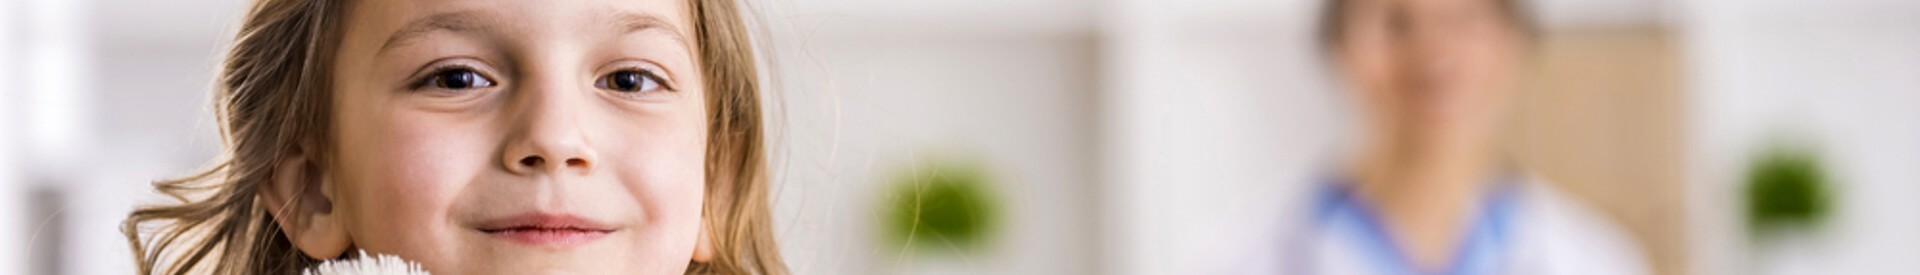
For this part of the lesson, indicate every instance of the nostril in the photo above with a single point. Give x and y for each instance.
(576, 162)
(532, 161)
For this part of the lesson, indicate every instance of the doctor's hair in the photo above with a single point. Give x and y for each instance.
(272, 98)
(1334, 13)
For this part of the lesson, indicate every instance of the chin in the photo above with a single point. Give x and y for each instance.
(577, 265)
(617, 253)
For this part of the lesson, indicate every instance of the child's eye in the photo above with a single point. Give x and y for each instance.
(456, 79)
(632, 81)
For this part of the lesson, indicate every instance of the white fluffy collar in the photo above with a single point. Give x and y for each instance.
(379, 264)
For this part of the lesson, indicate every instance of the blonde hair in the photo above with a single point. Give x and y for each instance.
(273, 96)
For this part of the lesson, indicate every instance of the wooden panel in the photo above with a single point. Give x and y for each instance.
(1601, 118)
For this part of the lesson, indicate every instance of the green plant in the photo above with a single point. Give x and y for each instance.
(1787, 188)
(945, 205)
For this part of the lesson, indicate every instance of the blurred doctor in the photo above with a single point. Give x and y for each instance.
(1427, 190)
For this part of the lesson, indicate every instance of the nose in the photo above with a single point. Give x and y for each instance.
(547, 136)
(1426, 53)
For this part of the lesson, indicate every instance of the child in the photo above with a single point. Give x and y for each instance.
(479, 137)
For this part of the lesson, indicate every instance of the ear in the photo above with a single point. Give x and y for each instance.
(703, 247)
(299, 200)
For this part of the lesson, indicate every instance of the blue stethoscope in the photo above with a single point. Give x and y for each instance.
(1483, 251)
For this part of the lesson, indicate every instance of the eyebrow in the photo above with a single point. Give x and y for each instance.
(631, 22)
(461, 21)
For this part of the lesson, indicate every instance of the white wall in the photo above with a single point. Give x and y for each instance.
(101, 98)
(1215, 116)
(1845, 74)
(49, 52)
(12, 201)
(870, 97)
(880, 107)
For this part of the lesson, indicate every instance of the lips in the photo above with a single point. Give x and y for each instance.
(544, 229)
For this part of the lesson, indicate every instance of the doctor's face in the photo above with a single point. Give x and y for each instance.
(1429, 71)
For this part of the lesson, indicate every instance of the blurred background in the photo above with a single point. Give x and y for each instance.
(1104, 137)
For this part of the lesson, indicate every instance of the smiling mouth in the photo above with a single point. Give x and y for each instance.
(536, 229)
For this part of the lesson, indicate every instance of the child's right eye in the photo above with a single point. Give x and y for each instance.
(457, 79)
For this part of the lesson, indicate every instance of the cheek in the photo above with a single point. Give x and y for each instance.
(1369, 71)
(405, 173)
(1488, 71)
(663, 166)
(659, 160)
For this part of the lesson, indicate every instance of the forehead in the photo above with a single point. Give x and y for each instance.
(1420, 7)
(519, 16)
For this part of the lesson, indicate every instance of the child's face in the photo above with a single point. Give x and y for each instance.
(520, 137)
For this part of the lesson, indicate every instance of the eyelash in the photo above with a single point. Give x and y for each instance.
(438, 74)
(645, 75)
(437, 77)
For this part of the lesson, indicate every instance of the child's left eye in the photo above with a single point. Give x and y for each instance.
(631, 81)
